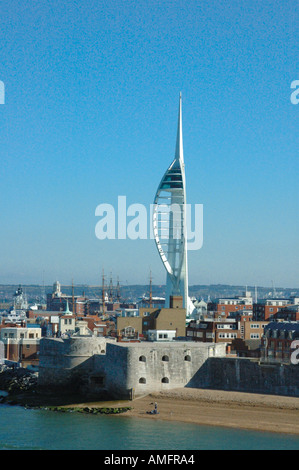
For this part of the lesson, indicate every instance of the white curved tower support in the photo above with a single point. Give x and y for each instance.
(169, 222)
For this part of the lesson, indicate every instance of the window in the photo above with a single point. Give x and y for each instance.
(165, 358)
(165, 380)
(227, 335)
(142, 380)
(142, 359)
(188, 358)
(209, 335)
(128, 331)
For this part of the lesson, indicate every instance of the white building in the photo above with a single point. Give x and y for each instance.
(17, 334)
(161, 335)
(21, 344)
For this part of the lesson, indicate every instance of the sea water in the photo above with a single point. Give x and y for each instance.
(37, 429)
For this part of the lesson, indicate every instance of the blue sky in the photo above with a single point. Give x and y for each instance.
(90, 113)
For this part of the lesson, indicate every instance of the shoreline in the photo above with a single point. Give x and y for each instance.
(238, 410)
(205, 407)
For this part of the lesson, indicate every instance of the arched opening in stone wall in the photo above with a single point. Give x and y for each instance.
(165, 358)
(142, 359)
(165, 380)
(188, 358)
(142, 380)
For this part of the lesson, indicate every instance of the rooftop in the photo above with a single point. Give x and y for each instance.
(290, 326)
(162, 344)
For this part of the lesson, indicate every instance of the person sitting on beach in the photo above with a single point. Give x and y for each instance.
(154, 411)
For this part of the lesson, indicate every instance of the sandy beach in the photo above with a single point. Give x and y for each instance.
(257, 412)
(221, 408)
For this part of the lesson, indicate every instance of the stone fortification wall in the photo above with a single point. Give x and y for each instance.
(125, 370)
(65, 363)
(245, 375)
(94, 366)
(158, 366)
(110, 372)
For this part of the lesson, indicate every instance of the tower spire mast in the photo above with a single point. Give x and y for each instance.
(179, 153)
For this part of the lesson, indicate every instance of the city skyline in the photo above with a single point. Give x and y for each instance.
(90, 95)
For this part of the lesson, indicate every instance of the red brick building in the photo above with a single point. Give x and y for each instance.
(277, 341)
(290, 313)
(224, 308)
(213, 332)
(267, 309)
(242, 335)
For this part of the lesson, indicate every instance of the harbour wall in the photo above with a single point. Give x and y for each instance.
(247, 375)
